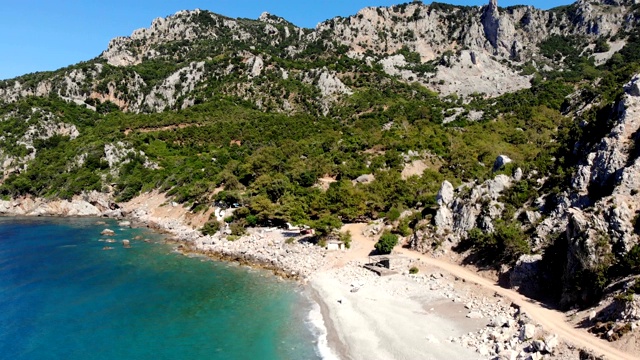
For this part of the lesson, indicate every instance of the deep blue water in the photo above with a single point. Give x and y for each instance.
(63, 297)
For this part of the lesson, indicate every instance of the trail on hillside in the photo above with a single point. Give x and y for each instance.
(551, 320)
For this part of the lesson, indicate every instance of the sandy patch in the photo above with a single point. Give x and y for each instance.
(391, 318)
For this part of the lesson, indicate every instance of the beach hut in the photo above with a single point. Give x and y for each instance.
(335, 245)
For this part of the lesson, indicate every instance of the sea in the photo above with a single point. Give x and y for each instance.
(64, 296)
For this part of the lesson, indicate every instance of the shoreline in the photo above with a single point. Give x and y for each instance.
(397, 311)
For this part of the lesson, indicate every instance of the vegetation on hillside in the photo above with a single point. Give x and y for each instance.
(301, 167)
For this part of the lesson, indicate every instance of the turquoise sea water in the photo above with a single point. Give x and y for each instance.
(63, 297)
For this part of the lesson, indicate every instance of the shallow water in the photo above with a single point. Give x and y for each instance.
(63, 297)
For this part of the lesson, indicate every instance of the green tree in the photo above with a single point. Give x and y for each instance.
(326, 224)
(386, 243)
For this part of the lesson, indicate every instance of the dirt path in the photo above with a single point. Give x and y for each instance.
(551, 320)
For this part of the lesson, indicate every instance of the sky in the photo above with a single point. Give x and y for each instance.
(42, 35)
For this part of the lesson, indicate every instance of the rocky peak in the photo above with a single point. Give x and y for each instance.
(266, 17)
(491, 22)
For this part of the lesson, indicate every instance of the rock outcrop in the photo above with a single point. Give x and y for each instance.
(460, 210)
(600, 219)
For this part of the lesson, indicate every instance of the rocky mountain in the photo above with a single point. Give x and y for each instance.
(449, 49)
(507, 135)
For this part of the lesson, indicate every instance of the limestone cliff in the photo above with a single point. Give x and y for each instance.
(460, 50)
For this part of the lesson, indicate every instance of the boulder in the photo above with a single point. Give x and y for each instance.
(443, 218)
(108, 232)
(124, 224)
(499, 321)
(508, 355)
(528, 331)
(501, 161)
(517, 175)
(445, 194)
(365, 179)
(537, 345)
(551, 342)
(535, 356)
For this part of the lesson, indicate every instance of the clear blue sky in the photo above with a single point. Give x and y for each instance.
(39, 35)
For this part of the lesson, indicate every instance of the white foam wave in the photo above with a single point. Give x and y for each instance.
(319, 329)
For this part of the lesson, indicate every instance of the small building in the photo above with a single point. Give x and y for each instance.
(391, 262)
(335, 245)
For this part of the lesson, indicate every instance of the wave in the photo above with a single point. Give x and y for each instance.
(315, 321)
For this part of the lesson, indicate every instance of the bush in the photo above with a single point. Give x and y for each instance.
(386, 243)
(503, 246)
(252, 220)
(237, 228)
(326, 224)
(211, 227)
(345, 237)
(393, 214)
(413, 270)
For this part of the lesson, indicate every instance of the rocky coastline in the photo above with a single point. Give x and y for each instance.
(483, 326)
(270, 249)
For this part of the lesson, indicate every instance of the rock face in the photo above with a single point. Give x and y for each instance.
(467, 49)
(44, 125)
(39, 207)
(460, 210)
(597, 215)
(116, 154)
(179, 84)
(596, 218)
(524, 275)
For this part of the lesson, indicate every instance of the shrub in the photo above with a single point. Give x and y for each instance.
(504, 245)
(345, 237)
(386, 243)
(211, 227)
(403, 227)
(413, 270)
(237, 228)
(252, 220)
(326, 224)
(393, 214)
(601, 46)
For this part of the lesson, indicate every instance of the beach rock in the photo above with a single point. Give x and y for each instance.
(528, 331)
(108, 232)
(124, 224)
(537, 345)
(508, 355)
(474, 315)
(551, 342)
(535, 356)
(499, 321)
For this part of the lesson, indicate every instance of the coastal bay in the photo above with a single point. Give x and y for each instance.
(433, 314)
(63, 296)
